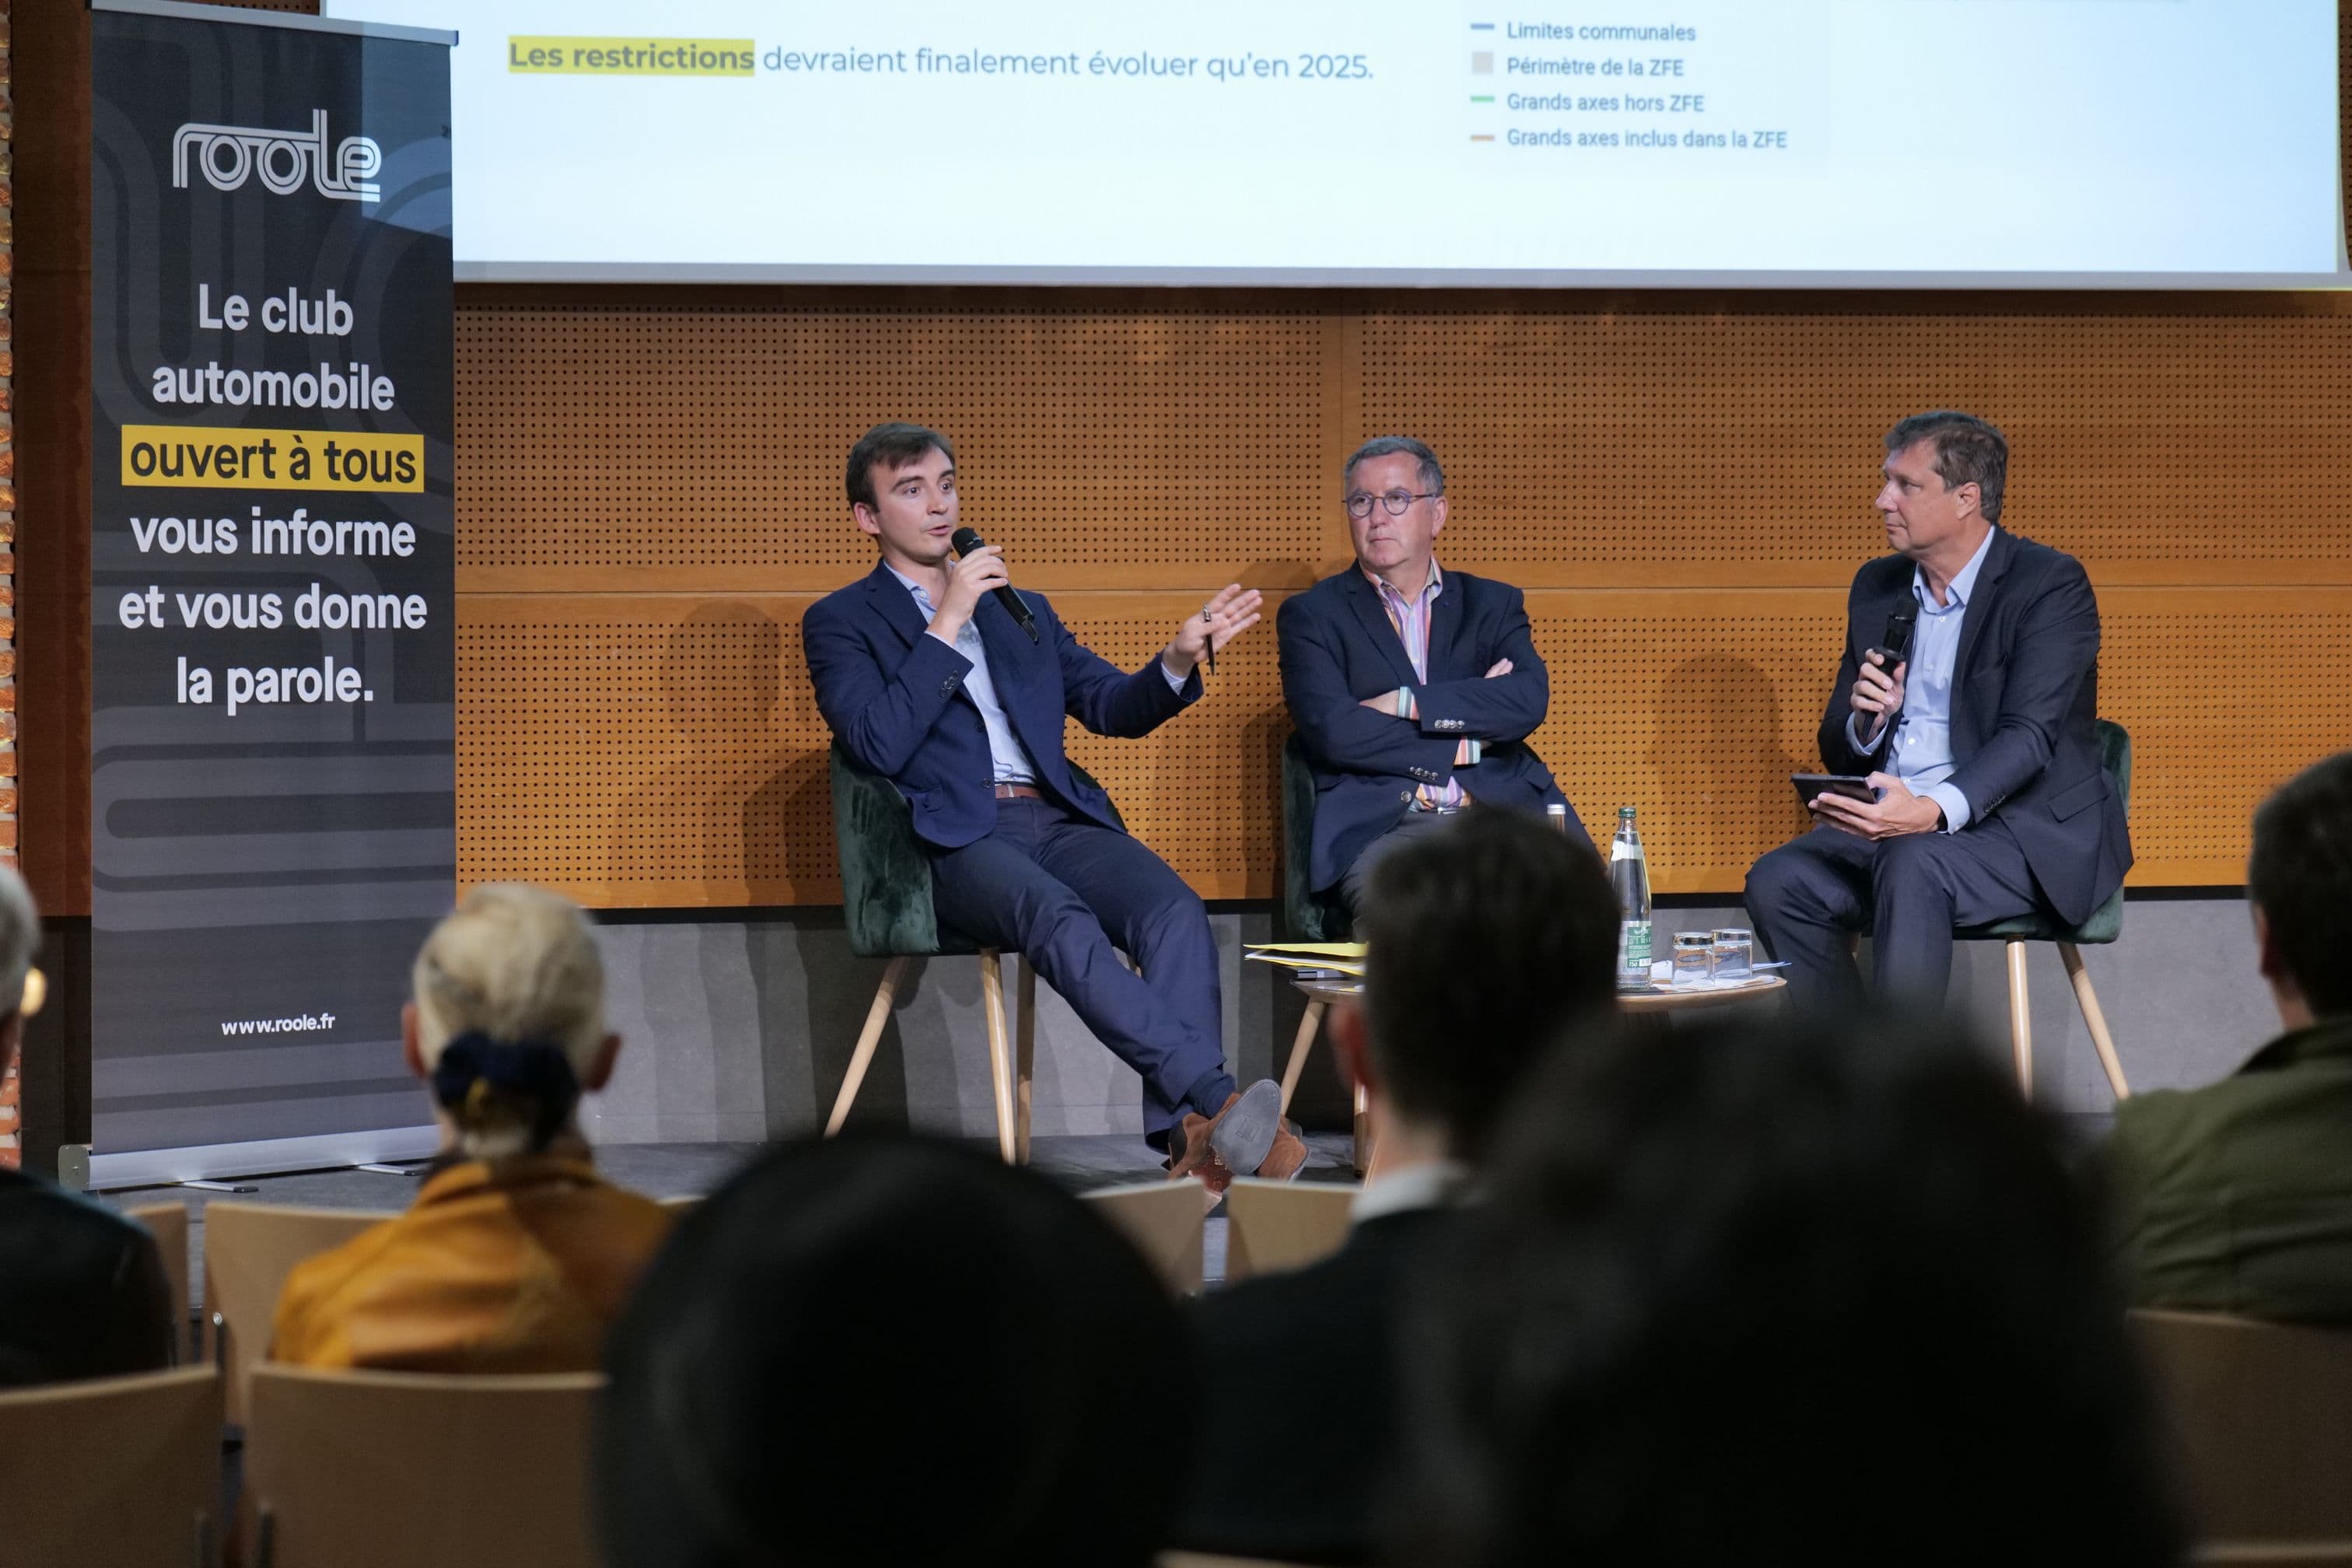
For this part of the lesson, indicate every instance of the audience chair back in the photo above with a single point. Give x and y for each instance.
(1165, 1221)
(2260, 1417)
(1275, 1226)
(249, 1249)
(168, 1223)
(113, 1472)
(371, 1469)
(2103, 925)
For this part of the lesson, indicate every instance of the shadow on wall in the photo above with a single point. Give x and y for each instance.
(715, 805)
(1719, 753)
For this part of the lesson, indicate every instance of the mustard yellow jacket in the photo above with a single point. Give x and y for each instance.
(515, 1267)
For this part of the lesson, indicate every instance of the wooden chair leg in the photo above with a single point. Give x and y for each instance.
(2021, 1020)
(2093, 1019)
(1025, 1059)
(1309, 1026)
(885, 996)
(1000, 1065)
(1367, 1148)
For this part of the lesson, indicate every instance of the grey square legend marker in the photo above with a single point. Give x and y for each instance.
(1481, 62)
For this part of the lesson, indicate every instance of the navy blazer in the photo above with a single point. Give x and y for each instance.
(2025, 694)
(1338, 648)
(1331, 1336)
(895, 699)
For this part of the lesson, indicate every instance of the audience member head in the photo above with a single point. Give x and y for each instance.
(2299, 881)
(871, 1352)
(1778, 1294)
(20, 936)
(507, 1020)
(1482, 941)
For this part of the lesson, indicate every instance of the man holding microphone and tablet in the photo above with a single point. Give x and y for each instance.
(1968, 787)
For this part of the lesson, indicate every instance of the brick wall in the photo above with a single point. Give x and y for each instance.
(9, 1127)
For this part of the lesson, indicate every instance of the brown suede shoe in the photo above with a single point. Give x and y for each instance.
(1240, 1136)
(1189, 1149)
(1288, 1155)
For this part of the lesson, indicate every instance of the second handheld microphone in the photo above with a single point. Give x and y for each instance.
(1897, 648)
(966, 540)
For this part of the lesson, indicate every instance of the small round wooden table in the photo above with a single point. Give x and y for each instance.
(1659, 1000)
(1651, 1006)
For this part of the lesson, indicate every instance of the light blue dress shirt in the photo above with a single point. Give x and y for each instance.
(1009, 761)
(1922, 754)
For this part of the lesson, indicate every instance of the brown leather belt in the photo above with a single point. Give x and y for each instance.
(1019, 792)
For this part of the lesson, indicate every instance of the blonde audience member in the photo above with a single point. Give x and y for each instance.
(516, 1255)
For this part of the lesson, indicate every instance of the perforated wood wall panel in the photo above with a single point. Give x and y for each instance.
(649, 492)
(611, 448)
(1684, 448)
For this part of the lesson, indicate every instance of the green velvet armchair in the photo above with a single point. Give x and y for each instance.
(1308, 915)
(2103, 925)
(887, 911)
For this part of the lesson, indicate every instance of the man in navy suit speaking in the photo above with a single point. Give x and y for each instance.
(1980, 743)
(1414, 690)
(926, 677)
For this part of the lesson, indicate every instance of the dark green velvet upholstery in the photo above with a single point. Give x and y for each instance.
(1306, 915)
(886, 876)
(2105, 923)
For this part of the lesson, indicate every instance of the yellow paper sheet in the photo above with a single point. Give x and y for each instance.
(1328, 949)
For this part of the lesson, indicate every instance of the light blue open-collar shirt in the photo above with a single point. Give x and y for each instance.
(1008, 759)
(1922, 752)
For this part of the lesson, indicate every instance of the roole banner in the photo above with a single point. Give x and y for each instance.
(273, 824)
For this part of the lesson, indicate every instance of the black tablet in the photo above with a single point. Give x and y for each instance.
(1812, 784)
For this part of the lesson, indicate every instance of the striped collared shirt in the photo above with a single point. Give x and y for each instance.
(1409, 619)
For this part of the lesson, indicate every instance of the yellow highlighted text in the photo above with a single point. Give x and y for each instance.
(224, 457)
(629, 57)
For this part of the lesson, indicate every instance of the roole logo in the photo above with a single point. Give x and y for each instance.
(230, 154)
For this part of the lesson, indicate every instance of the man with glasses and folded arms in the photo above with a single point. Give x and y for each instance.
(1414, 689)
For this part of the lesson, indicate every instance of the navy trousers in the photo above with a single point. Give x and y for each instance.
(1064, 893)
(1806, 897)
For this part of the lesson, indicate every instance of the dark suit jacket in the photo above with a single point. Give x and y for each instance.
(895, 699)
(2236, 1197)
(82, 1292)
(2025, 693)
(1310, 1357)
(1338, 648)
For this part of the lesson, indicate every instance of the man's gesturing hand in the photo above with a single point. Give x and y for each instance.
(1877, 695)
(1233, 612)
(968, 579)
(1894, 812)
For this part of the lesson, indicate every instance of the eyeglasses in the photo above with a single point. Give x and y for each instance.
(1359, 505)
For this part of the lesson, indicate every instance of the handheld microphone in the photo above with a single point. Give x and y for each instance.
(966, 540)
(1895, 647)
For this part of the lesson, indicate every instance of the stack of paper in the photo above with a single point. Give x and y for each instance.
(1328, 957)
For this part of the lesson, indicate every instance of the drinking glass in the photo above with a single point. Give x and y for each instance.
(1735, 955)
(1694, 960)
